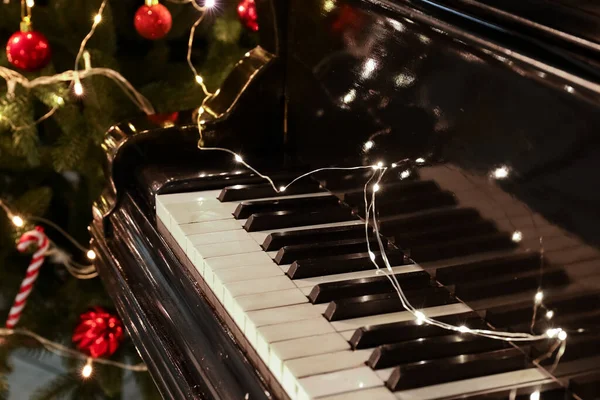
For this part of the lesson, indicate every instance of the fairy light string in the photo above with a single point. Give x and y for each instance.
(379, 170)
(67, 352)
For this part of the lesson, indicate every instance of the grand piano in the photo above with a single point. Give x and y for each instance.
(486, 116)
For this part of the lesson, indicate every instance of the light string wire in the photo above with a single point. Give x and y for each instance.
(73, 76)
(370, 209)
(67, 352)
(59, 256)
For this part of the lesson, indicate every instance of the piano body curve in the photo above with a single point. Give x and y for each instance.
(496, 104)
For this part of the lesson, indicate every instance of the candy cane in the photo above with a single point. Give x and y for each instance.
(39, 238)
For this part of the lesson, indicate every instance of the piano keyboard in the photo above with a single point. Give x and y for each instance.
(293, 273)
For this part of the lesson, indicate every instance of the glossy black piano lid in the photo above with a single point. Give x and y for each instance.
(419, 87)
(440, 80)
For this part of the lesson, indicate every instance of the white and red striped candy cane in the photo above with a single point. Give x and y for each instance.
(39, 238)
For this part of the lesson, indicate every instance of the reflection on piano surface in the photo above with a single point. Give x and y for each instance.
(231, 290)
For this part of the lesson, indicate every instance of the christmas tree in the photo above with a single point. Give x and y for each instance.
(52, 168)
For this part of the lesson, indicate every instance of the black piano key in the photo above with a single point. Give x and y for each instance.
(547, 391)
(257, 191)
(326, 292)
(377, 335)
(247, 208)
(456, 368)
(289, 254)
(395, 189)
(488, 268)
(564, 303)
(393, 226)
(310, 268)
(287, 219)
(386, 303)
(578, 347)
(462, 247)
(431, 348)
(586, 386)
(404, 205)
(443, 233)
(580, 322)
(510, 284)
(277, 240)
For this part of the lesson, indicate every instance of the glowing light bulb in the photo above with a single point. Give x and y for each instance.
(17, 221)
(562, 335)
(30, 3)
(420, 317)
(404, 174)
(539, 296)
(368, 145)
(552, 332)
(97, 18)
(282, 188)
(380, 164)
(87, 370)
(517, 236)
(372, 256)
(394, 165)
(549, 314)
(199, 79)
(535, 395)
(420, 160)
(91, 254)
(350, 96)
(463, 329)
(59, 100)
(501, 172)
(210, 3)
(376, 187)
(238, 158)
(78, 88)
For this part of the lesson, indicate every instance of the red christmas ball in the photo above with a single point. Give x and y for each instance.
(28, 50)
(153, 22)
(247, 12)
(99, 333)
(164, 119)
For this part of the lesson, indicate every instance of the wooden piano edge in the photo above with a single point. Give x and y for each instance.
(144, 318)
(238, 336)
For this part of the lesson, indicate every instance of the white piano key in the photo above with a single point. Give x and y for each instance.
(239, 260)
(474, 385)
(379, 393)
(309, 346)
(163, 214)
(281, 315)
(384, 374)
(178, 235)
(355, 323)
(261, 301)
(337, 382)
(219, 237)
(259, 285)
(371, 273)
(324, 363)
(303, 347)
(186, 216)
(295, 329)
(211, 227)
(196, 260)
(174, 198)
(246, 273)
(227, 248)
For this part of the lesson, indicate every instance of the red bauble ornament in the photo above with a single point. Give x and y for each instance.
(164, 119)
(99, 333)
(153, 21)
(28, 50)
(247, 13)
